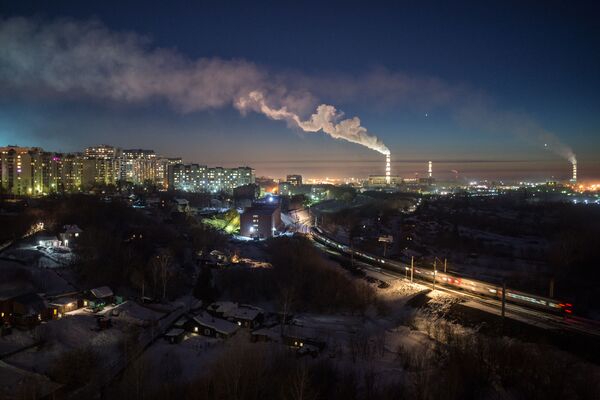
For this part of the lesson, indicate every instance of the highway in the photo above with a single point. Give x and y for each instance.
(480, 294)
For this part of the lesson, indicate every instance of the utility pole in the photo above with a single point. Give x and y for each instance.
(551, 288)
(445, 263)
(503, 299)
(434, 271)
(412, 267)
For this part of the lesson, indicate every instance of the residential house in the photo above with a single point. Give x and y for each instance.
(47, 240)
(30, 309)
(208, 325)
(64, 305)
(98, 297)
(175, 335)
(70, 234)
(244, 315)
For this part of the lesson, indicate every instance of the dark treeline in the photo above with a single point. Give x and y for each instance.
(572, 234)
(123, 247)
(300, 280)
(459, 367)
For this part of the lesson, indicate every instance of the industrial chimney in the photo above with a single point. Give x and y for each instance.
(430, 170)
(574, 178)
(388, 169)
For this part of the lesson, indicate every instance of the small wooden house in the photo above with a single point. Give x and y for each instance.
(245, 317)
(99, 297)
(64, 305)
(30, 309)
(175, 335)
(208, 325)
(70, 234)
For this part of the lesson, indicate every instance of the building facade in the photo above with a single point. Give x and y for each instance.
(260, 220)
(139, 166)
(162, 170)
(102, 165)
(200, 178)
(294, 180)
(31, 171)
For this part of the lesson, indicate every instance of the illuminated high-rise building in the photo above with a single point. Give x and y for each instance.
(139, 166)
(102, 165)
(200, 178)
(162, 170)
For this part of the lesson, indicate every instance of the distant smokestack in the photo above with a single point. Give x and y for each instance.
(388, 169)
(430, 169)
(574, 178)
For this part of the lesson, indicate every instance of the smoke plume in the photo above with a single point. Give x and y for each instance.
(86, 59)
(74, 58)
(324, 119)
(524, 127)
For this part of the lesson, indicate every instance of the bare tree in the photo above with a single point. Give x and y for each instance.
(161, 269)
(300, 386)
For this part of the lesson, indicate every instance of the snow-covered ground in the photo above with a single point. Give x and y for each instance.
(181, 362)
(78, 330)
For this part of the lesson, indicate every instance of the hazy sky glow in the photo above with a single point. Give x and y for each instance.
(474, 88)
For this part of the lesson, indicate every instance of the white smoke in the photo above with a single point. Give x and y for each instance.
(520, 125)
(74, 58)
(324, 119)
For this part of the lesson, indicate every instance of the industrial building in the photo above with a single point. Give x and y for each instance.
(383, 180)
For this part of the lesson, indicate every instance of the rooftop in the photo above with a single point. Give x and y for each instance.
(218, 324)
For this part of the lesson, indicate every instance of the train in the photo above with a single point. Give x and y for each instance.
(445, 279)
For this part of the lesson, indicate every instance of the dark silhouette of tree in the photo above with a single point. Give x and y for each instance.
(204, 289)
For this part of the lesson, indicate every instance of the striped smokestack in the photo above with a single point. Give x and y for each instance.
(388, 169)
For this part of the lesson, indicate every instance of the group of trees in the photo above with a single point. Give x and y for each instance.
(300, 280)
(124, 248)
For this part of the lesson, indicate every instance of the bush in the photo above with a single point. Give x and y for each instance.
(75, 368)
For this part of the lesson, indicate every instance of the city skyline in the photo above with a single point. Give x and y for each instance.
(488, 117)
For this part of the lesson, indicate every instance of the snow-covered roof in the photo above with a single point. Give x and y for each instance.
(42, 237)
(181, 321)
(175, 332)
(102, 292)
(33, 303)
(249, 314)
(61, 301)
(218, 324)
(223, 306)
(72, 229)
(13, 378)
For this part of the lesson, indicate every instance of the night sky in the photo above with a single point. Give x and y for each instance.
(476, 88)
